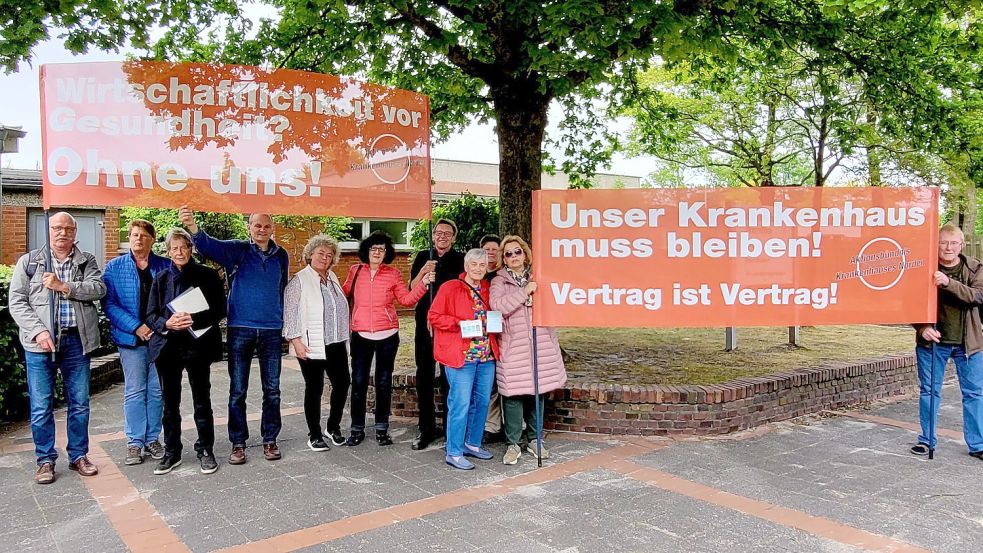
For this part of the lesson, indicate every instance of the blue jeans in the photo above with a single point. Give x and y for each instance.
(969, 369)
(142, 400)
(467, 404)
(265, 343)
(74, 365)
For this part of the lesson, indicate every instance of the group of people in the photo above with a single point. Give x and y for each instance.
(474, 336)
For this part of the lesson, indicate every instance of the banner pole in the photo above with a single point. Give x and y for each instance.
(49, 267)
(535, 383)
(931, 416)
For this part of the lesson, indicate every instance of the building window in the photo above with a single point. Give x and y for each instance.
(399, 231)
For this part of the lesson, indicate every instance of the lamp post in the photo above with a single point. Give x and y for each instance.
(9, 137)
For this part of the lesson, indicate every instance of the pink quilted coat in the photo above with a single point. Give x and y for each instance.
(513, 371)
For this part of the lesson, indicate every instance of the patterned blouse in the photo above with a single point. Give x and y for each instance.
(480, 349)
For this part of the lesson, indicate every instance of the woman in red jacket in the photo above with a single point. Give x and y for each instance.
(462, 344)
(371, 287)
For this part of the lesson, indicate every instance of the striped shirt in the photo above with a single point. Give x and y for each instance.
(66, 313)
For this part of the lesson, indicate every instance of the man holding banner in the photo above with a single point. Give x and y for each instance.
(957, 335)
(447, 264)
(257, 274)
(61, 338)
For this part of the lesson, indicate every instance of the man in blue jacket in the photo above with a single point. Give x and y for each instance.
(128, 279)
(257, 274)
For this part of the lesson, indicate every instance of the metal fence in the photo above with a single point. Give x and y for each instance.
(974, 246)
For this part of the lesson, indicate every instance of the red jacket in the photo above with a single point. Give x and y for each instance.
(374, 296)
(452, 305)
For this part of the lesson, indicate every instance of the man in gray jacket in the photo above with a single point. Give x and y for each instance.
(75, 284)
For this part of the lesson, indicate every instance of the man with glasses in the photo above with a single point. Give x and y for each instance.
(257, 274)
(448, 265)
(59, 341)
(956, 335)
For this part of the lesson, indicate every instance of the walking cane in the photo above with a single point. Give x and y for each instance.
(931, 416)
(49, 266)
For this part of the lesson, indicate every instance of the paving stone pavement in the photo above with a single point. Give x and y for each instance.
(840, 482)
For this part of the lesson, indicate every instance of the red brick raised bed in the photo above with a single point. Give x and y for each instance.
(705, 410)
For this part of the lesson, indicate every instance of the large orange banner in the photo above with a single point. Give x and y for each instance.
(232, 139)
(734, 257)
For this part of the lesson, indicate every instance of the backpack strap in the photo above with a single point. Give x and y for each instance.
(32, 263)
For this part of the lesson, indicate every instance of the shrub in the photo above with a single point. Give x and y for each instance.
(13, 376)
(475, 217)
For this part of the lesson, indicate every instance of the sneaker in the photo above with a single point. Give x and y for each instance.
(531, 448)
(45, 474)
(920, 449)
(512, 454)
(318, 444)
(272, 452)
(477, 452)
(459, 462)
(977, 454)
(155, 450)
(336, 437)
(238, 455)
(134, 455)
(167, 464)
(356, 438)
(383, 437)
(83, 466)
(208, 463)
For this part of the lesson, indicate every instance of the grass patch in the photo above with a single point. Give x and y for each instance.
(696, 356)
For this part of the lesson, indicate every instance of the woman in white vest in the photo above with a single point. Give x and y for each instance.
(315, 322)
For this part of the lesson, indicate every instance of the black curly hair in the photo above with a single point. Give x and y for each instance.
(376, 238)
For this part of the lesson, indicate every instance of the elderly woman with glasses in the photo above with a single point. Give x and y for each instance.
(371, 287)
(512, 292)
(315, 323)
(462, 344)
(185, 341)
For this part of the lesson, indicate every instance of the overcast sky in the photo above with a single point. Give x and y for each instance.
(20, 106)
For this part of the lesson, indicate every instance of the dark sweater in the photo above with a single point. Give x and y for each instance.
(171, 283)
(257, 279)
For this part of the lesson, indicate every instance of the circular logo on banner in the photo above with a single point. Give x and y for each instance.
(881, 270)
(389, 158)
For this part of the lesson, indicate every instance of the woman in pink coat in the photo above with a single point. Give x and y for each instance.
(511, 293)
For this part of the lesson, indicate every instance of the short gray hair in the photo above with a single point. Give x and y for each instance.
(320, 241)
(476, 254)
(180, 234)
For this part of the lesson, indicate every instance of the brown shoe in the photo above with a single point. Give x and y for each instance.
(134, 455)
(271, 451)
(84, 467)
(238, 455)
(45, 474)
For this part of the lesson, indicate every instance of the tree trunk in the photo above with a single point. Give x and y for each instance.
(873, 158)
(521, 114)
(969, 210)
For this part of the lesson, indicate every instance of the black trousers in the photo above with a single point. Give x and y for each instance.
(169, 369)
(425, 382)
(335, 365)
(384, 351)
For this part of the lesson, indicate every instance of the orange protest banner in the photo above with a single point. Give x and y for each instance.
(232, 139)
(734, 257)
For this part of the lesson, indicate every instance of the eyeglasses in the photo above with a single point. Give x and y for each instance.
(66, 230)
(951, 243)
(513, 253)
(443, 233)
(378, 249)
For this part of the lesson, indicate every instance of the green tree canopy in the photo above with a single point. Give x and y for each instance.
(509, 60)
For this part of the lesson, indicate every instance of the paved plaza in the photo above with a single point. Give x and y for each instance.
(843, 481)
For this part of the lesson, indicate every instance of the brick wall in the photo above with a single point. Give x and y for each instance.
(14, 242)
(294, 239)
(110, 229)
(704, 410)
